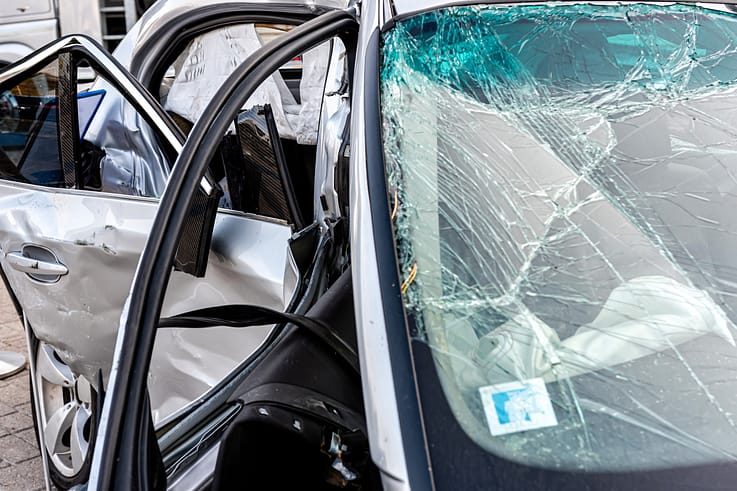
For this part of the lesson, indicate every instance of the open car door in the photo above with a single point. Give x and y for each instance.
(297, 402)
(81, 171)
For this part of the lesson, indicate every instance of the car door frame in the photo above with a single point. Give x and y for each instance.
(131, 89)
(123, 456)
(81, 46)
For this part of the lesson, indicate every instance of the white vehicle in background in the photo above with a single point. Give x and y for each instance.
(26, 25)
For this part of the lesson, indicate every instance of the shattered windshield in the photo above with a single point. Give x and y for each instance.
(564, 182)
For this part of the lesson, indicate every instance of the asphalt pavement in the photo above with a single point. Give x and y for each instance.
(20, 461)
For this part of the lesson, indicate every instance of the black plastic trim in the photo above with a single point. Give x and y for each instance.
(67, 127)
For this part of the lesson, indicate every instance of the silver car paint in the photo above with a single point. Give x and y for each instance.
(406, 8)
(185, 364)
(75, 18)
(24, 27)
(99, 238)
(382, 416)
(335, 115)
(35, 34)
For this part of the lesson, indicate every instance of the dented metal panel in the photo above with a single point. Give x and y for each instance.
(564, 178)
(99, 237)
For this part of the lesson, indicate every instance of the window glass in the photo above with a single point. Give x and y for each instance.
(29, 150)
(106, 145)
(565, 186)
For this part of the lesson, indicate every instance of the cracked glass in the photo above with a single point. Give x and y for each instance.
(563, 180)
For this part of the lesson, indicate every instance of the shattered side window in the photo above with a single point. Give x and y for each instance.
(565, 179)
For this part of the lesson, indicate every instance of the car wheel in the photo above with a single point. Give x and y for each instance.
(66, 424)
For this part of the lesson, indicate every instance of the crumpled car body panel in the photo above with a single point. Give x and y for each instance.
(96, 234)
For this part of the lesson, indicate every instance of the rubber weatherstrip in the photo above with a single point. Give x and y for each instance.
(67, 124)
(242, 315)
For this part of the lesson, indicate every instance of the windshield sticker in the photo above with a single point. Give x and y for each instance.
(517, 406)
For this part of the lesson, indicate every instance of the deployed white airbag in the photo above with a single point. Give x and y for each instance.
(212, 57)
(643, 316)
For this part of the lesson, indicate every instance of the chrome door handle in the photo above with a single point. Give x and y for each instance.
(35, 266)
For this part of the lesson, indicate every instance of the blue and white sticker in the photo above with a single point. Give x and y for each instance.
(517, 406)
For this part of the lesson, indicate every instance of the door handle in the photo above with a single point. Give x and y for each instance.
(35, 266)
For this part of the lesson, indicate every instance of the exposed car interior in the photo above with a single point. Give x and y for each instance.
(302, 403)
(267, 160)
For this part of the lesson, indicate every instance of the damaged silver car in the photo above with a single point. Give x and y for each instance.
(494, 254)
(83, 168)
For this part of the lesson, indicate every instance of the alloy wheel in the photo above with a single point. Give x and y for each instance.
(65, 407)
